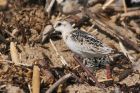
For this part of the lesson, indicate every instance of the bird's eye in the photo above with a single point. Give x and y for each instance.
(59, 24)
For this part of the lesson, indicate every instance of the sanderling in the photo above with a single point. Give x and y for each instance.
(81, 42)
(85, 45)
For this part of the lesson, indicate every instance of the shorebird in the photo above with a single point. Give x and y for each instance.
(85, 45)
(80, 42)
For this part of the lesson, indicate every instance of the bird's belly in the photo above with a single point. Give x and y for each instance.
(81, 50)
(74, 47)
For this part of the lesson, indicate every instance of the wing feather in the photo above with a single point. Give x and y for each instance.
(89, 45)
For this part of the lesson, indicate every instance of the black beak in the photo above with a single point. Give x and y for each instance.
(55, 32)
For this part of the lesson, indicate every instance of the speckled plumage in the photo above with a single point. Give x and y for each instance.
(86, 45)
(85, 38)
(96, 61)
(81, 42)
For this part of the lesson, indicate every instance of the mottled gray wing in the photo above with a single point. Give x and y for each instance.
(89, 45)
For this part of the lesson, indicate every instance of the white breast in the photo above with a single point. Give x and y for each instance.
(73, 46)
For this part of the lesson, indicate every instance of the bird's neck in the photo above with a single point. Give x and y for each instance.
(66, 34)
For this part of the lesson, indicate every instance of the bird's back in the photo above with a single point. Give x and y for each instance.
(86, 45)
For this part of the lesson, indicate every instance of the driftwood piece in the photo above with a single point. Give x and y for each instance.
(14, 53)
(36, 79)
(60, 81)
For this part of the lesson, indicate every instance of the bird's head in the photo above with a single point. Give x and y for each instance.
(63, 27)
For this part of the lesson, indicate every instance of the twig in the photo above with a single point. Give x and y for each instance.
(36, 80)
(105, 80)
(132, 13)
(49, 8)
(108, 72)
(61, 80)
(76, 67)
(15, 32)
(107, 4)
(3, 86)
(89, 73)
(29, 86)
(14, 53)
(124, 5)
(10, 34)
(90, 28)
(61, 57)
(125, 52)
